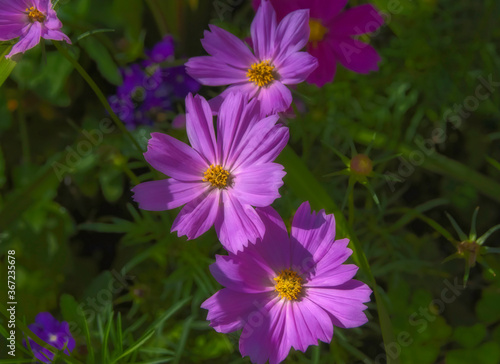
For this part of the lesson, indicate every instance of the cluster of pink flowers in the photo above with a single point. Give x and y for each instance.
(282, 291)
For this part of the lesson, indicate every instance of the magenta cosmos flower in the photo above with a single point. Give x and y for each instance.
(287, 291)
(331, 38)
(29, 20)
(264, 73)
(218, 178)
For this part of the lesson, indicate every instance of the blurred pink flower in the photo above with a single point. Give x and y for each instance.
(331, 37)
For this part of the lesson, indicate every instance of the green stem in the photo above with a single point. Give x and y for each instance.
(23, 130)
(98, 93)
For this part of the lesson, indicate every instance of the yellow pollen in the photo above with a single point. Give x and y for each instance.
(35, 15)
(318, 31)
(288, 284)
(262, 74)
(216, 175)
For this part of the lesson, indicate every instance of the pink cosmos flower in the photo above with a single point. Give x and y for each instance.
(287, 291)
(29, 20)
(331, 38)
(276, 60)
(218, 178)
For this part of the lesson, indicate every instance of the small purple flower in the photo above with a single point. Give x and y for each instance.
(161, 52)
(179, 81)
(287, 291)
(264, 73)
(218, 179)
(29, 20)
(53, 332)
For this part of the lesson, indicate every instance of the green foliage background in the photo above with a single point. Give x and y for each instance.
(76, 229)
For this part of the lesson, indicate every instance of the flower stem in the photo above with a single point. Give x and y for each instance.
(98, 93)
(23, 130)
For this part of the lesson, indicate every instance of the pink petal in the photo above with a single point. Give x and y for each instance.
(306, 323)
(166, 194)
(274, 98)
(292, 34)
(263, 30)
(324, 277)
(355, 21)
(55, 35)
(174, 158)
(198, 215)
(245, 274)
(297, 67)
(211, 71)
(313, 231)
(10, 31)
(344, 303)
(274, 248)
(247, 88)
(228, 310)
(52, 22)
(328, 264)
(236, 116)
(266, 339)
(327, 63)
(262, 144)
(227, 48)
(200, 127)
(27, 41)
(258, 185)
(355, 55)
(238, 225)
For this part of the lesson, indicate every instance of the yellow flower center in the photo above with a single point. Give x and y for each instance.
(35, 15)
(288, 284)
(262, 74)
(216, 175)
(318, 31)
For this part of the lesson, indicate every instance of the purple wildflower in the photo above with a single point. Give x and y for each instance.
(332, 35)
(218, 179)
(53, 332)
(29, 20)
(161, 52)
(264, 74)
(287, 291)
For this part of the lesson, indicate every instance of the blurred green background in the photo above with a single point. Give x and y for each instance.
(81, 243)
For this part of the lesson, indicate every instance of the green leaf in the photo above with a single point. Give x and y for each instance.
(135, 346)
(105, 63)
(6, 65)
(487, 234)
(470, 336)
(461, 234)
(473, 232)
